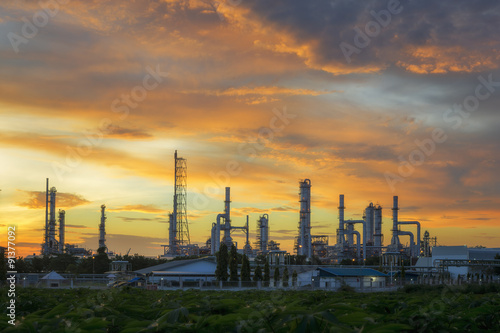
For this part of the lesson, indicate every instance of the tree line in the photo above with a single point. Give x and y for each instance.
(70, 264)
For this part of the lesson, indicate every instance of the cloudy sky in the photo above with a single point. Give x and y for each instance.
(368, 99)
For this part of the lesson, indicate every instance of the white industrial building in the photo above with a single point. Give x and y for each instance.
(362, 278)
(440, 253)
(202, 269)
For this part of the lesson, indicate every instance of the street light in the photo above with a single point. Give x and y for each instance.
(93, 270)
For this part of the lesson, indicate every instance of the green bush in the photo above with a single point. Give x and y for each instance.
(413, 309)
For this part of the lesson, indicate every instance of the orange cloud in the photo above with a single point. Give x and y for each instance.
(433, 59)
(36, 200)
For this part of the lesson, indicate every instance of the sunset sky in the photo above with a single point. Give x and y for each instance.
(368, 99)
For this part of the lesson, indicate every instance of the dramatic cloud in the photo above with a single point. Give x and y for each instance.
(36, 200)
(422, 37)
(256, 95)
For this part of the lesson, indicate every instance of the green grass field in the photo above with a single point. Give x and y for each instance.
(413, 309)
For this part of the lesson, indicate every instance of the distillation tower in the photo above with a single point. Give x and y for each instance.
(396, 248)
(102, 228)
(50, 245)
(263, 234)
(368, 242)
(62, 225)
(227, 227)
(304, 246)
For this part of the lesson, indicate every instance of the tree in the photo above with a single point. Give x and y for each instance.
(23, 265)
(286, 277)
(222, 262)
(233, 264)
(60, 262)
(245, 269)
(267, 272)
(37, 264)
(276, 276)
(294, 278)
(101, 261)
(257, 275)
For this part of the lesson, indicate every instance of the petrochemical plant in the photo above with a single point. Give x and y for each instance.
(352, 243)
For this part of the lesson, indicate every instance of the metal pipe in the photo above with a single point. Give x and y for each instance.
(408, 233)
(353, 232)
(217, 231)
(358, 245)
(417, 250)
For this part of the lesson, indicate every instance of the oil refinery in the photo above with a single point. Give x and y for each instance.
(356, 240)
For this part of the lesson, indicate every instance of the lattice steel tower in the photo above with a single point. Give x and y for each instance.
(179, 215)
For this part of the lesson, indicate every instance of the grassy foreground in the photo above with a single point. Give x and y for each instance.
(413, 309)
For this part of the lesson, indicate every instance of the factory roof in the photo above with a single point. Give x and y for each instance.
(348, 272)
(168, 266)
(53, 276)
(449, 251)
(483, 253)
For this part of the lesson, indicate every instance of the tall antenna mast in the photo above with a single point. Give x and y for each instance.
(180, 201)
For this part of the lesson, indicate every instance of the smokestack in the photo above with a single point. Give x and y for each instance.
(378, 229)
(227, 218)
(395, 208)
(227, 204)
(45, 248)
(305, 247)
(62, 224)
(102, 228)
(341, 238)
(52, 244)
